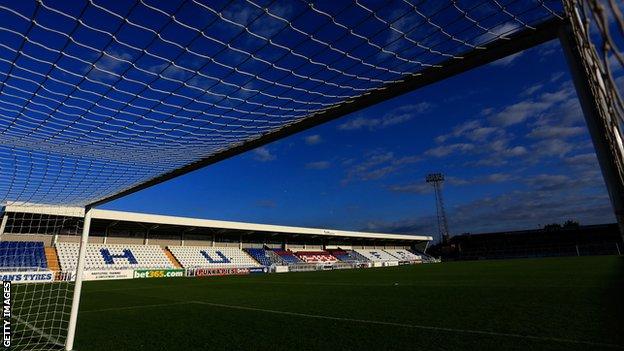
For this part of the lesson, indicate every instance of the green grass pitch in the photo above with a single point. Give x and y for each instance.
(547, 304)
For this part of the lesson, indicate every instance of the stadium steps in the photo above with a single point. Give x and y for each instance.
(274, 257)
(52, 258)
(172, 258)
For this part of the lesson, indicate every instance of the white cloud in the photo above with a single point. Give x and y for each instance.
(518, 113)
(394, 117)
(313, 139)
(376, 165)
(471, 130)
(497, 178)
(482, 133)
(549, 182)
(534, 107)
(263, 154)
(318, 165)
(459, 130)
(556, 76)
(507, 61)
(532, 89)
(413, 188)
(544, 132)
(445, 150)
(548, 49)
(115, 63)
(253, 18)
(552, 147)
(425, 188)
(492, 178)
(588, 159)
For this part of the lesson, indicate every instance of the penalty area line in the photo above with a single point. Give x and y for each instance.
(413, 326)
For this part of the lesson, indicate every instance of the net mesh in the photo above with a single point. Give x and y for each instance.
(598, 28)
(96, 97)
(41, 295)
(597, 31)
(99, 96)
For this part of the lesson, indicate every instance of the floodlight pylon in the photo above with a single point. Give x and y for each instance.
(437, 179)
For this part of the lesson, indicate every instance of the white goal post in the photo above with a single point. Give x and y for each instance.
(40, 298)
(73, 318)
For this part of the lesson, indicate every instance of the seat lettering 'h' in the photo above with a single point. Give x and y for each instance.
(110, 258)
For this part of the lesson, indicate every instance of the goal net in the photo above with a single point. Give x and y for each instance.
(99, 99)
(37, 296)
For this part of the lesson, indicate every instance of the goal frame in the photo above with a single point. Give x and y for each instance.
(583, 63)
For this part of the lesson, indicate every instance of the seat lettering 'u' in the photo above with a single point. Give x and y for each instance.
(222, 257)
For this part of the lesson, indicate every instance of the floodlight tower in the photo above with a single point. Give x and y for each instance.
(436, 179)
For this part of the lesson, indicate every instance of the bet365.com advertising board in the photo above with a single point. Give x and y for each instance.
(158, 273)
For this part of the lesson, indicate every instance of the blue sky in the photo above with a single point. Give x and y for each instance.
(509, 136)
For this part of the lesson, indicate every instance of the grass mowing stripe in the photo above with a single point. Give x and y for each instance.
(414, 326)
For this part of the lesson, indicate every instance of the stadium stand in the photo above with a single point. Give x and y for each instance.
(424, 257)
(577, 240)
(212, 257)
(316, 256)
(264, 257)
(287, 256)
(113, 256)
(403, 255)
(22, 255)
(348, 256)
(376, 255)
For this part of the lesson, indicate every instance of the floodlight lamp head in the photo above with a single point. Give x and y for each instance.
(434, 178)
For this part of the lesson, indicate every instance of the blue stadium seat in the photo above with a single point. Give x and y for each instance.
(260, 255)
(348, 256)
(22, 254)
(287, 256)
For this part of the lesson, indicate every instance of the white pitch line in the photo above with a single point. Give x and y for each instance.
(48, 337)
(415, 326)
(137, 307)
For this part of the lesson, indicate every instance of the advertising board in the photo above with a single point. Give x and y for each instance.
(209, 272)
(158, 273)
(109, 275)
(28, 276)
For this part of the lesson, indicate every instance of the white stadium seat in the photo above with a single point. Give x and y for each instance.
(403, 255)
(376, 255)
(212, 257)
(113, 256)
